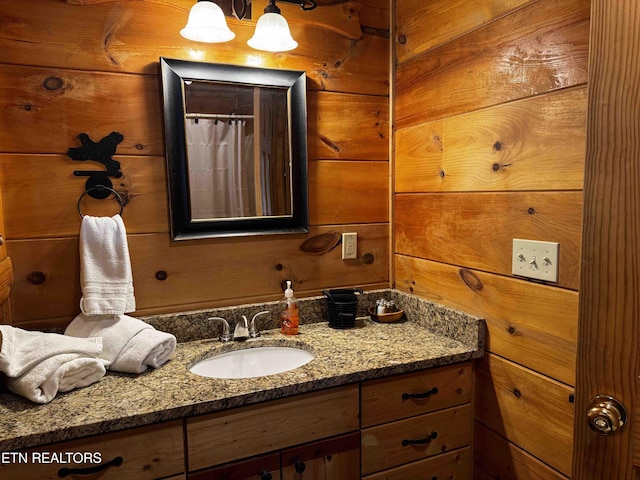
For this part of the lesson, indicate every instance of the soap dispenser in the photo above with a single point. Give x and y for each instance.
(289, 317)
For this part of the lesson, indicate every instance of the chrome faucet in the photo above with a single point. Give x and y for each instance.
(241, 332)
(226, 330)
(253, 330)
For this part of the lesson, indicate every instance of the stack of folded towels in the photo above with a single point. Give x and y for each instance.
(38, 365)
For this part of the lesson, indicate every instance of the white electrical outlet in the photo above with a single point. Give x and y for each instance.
(535, 259)
(349, 246)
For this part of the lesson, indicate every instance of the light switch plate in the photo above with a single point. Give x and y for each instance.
(534, 259)
(349, 246)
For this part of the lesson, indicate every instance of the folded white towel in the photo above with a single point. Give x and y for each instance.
(105, 267)
(38, 365)
(130, 345)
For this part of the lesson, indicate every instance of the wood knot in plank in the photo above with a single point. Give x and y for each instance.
(321, 244)
(471, 279)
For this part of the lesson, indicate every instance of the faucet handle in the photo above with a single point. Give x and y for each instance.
(226, 330)
(253, 331)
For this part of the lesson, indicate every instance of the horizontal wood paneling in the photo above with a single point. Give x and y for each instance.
(130, 36)
(537, 49)
(94, 69)
(476, 230)
(41, 194)
(211, 272)
(530, 410)
(506, 460)
(532, 144)
(343, 126)
(374, 14)
(348, 192)
(425, 25)
(38, 120)
(531, 324)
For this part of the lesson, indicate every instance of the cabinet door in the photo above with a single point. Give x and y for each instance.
(265, 467)
(333, 459)
(143, 453)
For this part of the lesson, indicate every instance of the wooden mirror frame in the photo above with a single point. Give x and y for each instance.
(173, 74)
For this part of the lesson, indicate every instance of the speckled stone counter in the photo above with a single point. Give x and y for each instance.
(430, 336)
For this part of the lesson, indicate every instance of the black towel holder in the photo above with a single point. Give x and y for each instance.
(117, 196)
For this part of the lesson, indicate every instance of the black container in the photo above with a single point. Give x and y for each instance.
(342, 304)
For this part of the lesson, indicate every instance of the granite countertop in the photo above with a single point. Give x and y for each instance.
(370, 350)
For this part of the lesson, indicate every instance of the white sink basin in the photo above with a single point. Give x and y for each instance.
(252, 362)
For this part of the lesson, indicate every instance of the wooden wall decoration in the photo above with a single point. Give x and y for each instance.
(68, 67)
(490, 119)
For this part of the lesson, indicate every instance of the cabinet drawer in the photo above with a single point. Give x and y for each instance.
(453, 465)
(332, 459)
(396, 443)
(242, 432)
(403, 396)
(136, 454)
(266, 466)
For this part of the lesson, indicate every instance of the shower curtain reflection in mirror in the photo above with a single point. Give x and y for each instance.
(221, 168)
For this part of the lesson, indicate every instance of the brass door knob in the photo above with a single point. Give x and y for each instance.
(606, 415)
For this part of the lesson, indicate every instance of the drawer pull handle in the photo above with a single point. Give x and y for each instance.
(265, 475)
(427, 394)
(299, 466)
(65, 472)
(422, 441)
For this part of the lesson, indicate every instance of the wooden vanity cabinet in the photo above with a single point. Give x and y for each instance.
(264, 467)
(335, 458)
(217, 440)
(418, 425)
(142, 453)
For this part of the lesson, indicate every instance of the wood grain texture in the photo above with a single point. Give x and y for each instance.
(148, 453)
(530, 410)
(494, 453)
(347, 126)
(537, 49)
(41, 195)
(348, 192)
(533, 325)
(111, 37)
(199, 273)
(382, 445)
(48, 108)
(381, 401)
(452, 465)
(532, 144)
(610, 286)
(423, 25)
(243, 432)
(477, 229)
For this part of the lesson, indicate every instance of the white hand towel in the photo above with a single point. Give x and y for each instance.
(38, 365)
(130, 345)
(105, 267)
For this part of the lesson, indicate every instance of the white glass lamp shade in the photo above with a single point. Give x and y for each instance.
(207, 24)
(272, 34)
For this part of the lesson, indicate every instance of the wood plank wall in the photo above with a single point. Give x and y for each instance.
(67, 68)
(490, 121)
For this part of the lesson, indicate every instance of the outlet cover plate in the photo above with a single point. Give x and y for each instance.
(535, 259)
(349, 246)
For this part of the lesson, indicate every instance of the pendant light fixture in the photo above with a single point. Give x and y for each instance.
(272, 32)
(207, 24)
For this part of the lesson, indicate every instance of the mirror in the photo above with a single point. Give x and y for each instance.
(236, 149)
